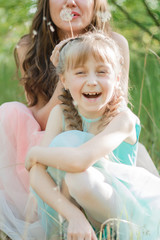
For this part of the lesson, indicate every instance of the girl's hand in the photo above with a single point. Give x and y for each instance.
(55, 53)
(80, 229)
(30, 161)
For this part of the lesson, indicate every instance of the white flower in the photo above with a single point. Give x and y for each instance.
(35, 32)
(66, 14)
(104, 16)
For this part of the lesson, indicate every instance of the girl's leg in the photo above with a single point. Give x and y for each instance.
(93, 194)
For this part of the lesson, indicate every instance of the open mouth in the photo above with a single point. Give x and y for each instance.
(92, 94)
(75, 14)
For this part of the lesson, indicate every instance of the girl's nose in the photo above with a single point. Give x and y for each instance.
(91, 80)
(70, 3)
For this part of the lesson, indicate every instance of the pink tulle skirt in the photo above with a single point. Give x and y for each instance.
(18, 210)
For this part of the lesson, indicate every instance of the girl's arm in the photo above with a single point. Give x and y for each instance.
(78, 225)
(54, 126)
(121, 128)
(46, 188)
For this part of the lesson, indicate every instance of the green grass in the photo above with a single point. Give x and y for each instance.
(10, 90)
(149, 115)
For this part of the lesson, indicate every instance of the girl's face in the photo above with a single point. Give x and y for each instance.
(82, 11)
(91, 86)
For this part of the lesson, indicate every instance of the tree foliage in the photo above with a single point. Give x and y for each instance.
(140, 17)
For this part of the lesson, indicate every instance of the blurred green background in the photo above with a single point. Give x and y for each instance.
(138, 21)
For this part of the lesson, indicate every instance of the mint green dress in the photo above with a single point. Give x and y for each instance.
(137, 189)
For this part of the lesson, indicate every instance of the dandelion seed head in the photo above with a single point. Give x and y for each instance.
(66, 14)
(104, 16)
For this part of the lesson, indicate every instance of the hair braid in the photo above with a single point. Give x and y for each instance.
(116, 105)
(72, 118)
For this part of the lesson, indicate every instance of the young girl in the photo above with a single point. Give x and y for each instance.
(21, 126)
(96, 177)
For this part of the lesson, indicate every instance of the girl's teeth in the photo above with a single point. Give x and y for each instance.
(90, 95)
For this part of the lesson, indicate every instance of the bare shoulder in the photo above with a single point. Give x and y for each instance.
(56, 116)
(127, 120)
(56, 111)
(120, 40)
(124, 49)
(54, 125)
(128, 123)
(131, 116)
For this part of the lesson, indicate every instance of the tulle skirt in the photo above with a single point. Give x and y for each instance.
(138, 192)
(18, 208)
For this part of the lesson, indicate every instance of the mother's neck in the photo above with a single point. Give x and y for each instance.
(67, 34)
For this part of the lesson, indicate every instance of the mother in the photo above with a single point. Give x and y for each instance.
(22, 127)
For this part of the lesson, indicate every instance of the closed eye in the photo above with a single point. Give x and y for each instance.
(80, 73)
(102, 72)
(77, 73)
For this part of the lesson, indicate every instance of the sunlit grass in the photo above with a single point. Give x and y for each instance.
(146, 101)
(10, 89)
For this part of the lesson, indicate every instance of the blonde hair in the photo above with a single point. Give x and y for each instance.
(76, 52)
